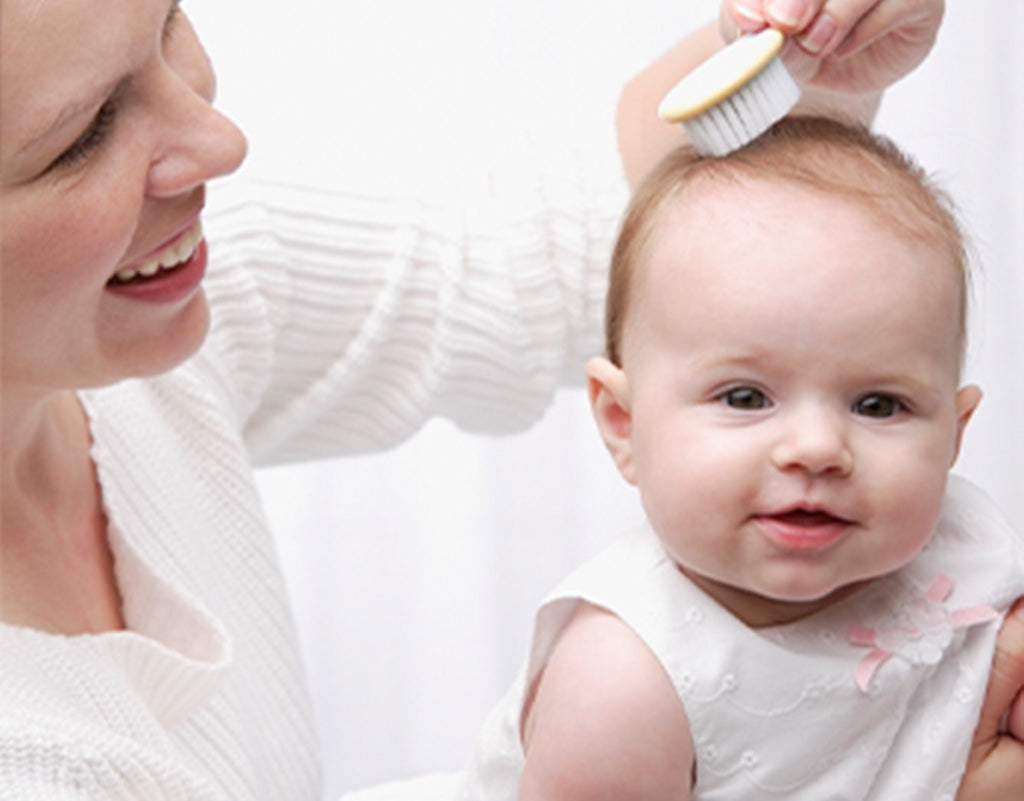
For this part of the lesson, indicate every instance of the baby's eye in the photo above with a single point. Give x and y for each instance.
(878, 406)
(745, 398)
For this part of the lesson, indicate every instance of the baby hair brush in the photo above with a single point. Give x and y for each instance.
(734, 96)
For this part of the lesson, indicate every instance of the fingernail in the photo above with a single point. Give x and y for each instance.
(747, 13)
(786, 12)
(819, 36)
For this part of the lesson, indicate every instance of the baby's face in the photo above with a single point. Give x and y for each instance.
(792, 366)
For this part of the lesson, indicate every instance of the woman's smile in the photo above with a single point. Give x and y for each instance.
(166, 257)
(167, 275)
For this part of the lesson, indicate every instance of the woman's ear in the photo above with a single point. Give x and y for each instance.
(610, 403)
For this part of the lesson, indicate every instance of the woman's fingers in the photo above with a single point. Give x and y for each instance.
(1003, 701)
(995, 767)
(789, 16)
(917, 21)
(843, 45)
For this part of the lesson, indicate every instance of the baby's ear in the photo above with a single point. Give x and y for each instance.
(967, 400)
(609, 401)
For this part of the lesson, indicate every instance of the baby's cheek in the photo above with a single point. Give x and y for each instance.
(676, 499)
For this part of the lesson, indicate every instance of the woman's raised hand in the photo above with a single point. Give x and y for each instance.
(848, 46)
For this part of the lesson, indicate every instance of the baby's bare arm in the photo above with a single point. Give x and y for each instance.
(604, 721)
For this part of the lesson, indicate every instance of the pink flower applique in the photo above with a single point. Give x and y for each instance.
(918, 634)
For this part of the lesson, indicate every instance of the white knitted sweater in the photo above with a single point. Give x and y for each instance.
(341, 323)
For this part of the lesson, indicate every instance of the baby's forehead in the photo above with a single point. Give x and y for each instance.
(739, 189)
(729, 199)
(755, 217)
(742, 236)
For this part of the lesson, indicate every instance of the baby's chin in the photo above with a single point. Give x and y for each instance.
(775, 606)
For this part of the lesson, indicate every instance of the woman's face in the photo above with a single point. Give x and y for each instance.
(106, 139)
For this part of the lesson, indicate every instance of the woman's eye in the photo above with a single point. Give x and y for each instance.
(878, 406)
(91, 138)
(745, 398)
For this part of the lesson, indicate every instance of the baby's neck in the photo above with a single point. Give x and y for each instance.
(759, 612)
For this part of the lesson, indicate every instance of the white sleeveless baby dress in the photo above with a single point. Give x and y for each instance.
(874, 698)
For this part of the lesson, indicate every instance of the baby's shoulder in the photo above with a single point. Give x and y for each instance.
(603, 712)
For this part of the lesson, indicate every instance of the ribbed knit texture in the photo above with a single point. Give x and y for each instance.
(341, 323)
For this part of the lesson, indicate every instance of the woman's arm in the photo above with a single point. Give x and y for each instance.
(844, 54)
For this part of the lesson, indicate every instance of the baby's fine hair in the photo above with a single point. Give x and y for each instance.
(815, 152)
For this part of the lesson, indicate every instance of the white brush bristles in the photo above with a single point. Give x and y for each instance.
(744, 115)
(734, 96)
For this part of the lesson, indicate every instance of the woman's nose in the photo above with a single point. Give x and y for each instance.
(814, 441)
(197, 144)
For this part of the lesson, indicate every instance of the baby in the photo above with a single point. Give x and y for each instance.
(811, 612)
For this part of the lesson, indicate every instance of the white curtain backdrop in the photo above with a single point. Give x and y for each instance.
(415, 572)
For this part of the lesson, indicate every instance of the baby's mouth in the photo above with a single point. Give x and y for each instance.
(808, 517)
(166, 260)
(803, 529)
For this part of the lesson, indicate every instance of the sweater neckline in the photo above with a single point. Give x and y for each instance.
(173, 651)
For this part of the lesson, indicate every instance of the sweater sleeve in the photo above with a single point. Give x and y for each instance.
(344, 320)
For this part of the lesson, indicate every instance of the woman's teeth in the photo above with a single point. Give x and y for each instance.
(173, 256)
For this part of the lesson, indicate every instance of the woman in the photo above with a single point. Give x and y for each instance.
(146, 648)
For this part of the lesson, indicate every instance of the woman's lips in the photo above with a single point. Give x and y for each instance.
(170, 275)
(173, 255)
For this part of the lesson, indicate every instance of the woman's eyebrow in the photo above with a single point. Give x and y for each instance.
(78, 108)
(172, 14)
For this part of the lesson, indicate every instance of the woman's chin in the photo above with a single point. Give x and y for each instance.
(176, 342)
